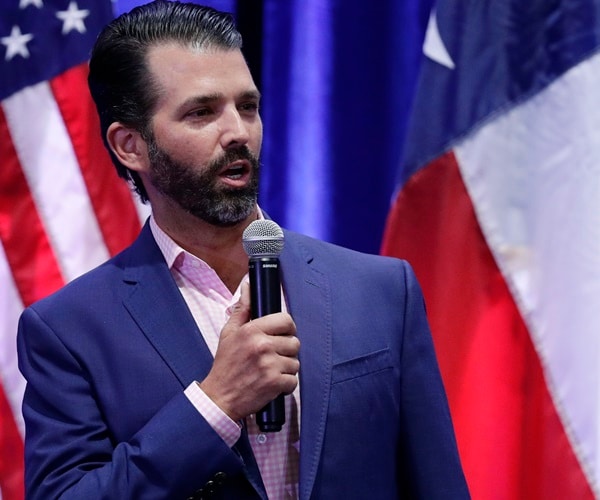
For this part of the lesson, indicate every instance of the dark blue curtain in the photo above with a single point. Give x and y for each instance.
(338, 79)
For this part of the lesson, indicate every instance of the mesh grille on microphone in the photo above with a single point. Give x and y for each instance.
(263, 238)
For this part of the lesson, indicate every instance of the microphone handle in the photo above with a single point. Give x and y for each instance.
(265, 298)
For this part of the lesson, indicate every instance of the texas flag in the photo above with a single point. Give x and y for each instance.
(63, 210)
(498, 210)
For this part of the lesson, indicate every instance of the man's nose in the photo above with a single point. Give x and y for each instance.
(234, 129)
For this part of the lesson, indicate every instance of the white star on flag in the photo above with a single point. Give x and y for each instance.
(37, 3)
(433, 46)
(73, 18)
(16, 43)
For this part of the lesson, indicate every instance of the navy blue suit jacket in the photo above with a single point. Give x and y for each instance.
(107, 358)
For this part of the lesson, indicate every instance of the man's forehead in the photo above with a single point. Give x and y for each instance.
(184, 71)
(169, 47)
(181, 59)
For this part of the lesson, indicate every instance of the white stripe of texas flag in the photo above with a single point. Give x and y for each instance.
(533, 174)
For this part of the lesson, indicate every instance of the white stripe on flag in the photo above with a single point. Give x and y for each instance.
(10, 309)
(52, 171)
(534, 177)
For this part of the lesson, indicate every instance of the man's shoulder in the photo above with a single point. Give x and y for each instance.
(312, 248)
(96, 282)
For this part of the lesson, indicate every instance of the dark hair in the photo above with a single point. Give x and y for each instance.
(119, 79)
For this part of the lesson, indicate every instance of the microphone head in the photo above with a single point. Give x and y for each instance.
(263, 238)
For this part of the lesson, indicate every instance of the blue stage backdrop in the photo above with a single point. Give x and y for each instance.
(338, 78)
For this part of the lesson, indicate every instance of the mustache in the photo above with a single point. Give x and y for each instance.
(231, 155)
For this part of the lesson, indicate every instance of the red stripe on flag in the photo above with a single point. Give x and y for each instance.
(28, 251)
(108, 193)
(511, 440)
(11, 458)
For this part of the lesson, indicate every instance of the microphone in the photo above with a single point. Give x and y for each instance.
(263, 242)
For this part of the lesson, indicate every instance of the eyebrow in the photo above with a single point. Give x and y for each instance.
(216, 96)
(251, 94)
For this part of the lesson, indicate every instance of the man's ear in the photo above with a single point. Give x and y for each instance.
(128, 146)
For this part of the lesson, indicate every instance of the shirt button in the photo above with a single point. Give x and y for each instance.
(261, 439)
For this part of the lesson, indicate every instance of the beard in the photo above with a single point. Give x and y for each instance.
(197, 190)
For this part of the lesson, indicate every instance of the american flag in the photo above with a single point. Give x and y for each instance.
(63, 210)
(498, 211)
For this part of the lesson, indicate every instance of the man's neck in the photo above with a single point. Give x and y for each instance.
(220, 247)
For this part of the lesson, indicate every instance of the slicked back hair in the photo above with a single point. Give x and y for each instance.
(119, 79)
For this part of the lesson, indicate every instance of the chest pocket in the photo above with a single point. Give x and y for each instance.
(364, 365)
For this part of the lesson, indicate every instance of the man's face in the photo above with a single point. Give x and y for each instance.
(206, 133)
(199, 191)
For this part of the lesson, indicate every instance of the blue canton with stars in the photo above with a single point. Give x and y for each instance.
(40, 39)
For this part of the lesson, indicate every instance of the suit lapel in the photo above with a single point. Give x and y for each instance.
(155, 303)
(309, 302)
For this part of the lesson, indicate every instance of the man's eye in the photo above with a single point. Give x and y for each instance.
(197, 113)
(249, 106)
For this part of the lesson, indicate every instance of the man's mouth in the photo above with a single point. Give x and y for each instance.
(236, 173)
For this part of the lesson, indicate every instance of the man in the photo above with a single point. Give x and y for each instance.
(144, 375)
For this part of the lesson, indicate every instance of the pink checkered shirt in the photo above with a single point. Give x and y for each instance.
(209, 301)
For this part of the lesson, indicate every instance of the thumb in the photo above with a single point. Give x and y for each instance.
(240, 311)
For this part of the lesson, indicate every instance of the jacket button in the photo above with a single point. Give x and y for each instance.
(210, 488)
(219, 478)
(196, 496)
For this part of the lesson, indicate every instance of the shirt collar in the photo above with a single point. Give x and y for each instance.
(171, 251)
(167, 245)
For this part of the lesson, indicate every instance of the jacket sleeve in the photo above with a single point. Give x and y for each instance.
(70, 451)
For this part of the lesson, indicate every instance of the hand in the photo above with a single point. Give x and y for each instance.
(255, 361)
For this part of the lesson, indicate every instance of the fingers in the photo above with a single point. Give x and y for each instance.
(284, 344)
(240, 312)
(245, 294)
(290, 366)
(255, 360)
(288, 384)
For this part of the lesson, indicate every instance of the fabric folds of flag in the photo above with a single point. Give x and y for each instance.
(498, 210)
(63, 209)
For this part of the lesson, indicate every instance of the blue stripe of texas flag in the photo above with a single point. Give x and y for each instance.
(503, 51)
